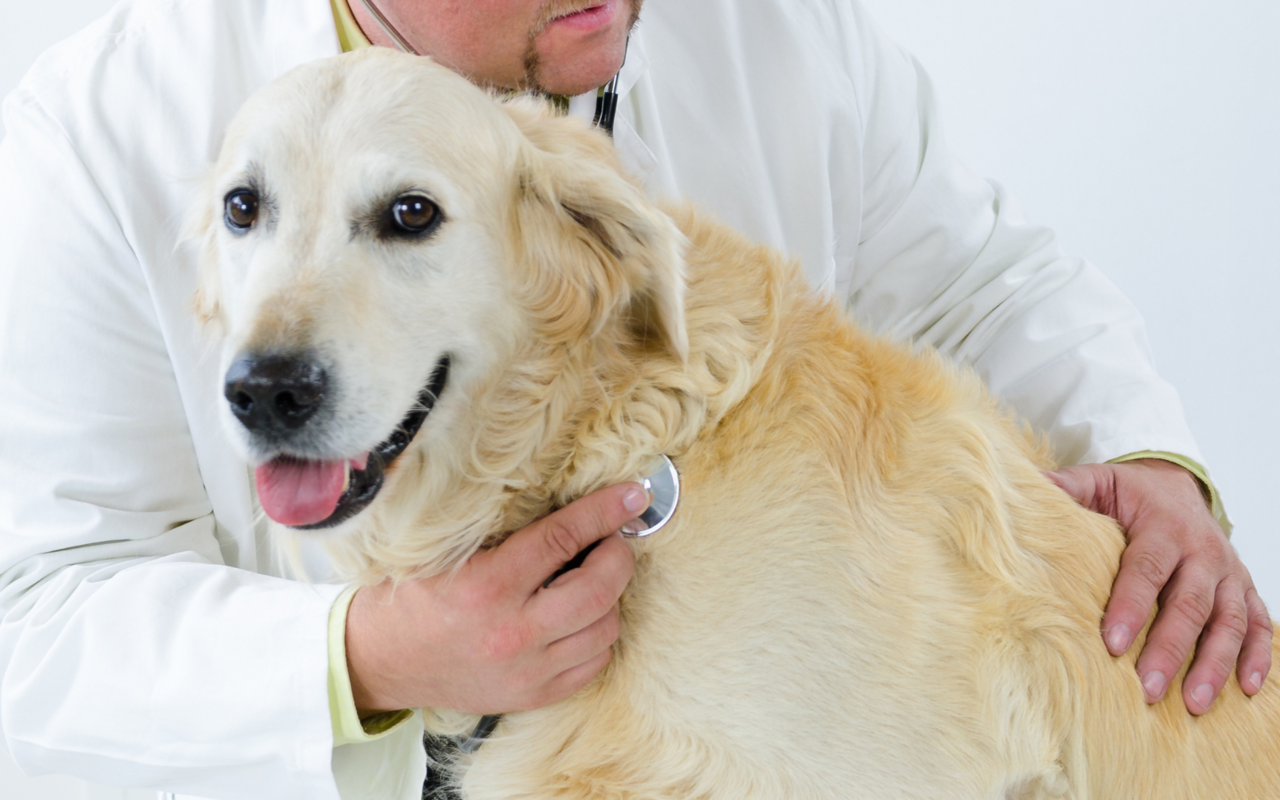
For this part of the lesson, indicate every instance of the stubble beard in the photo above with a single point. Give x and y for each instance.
(532, 80)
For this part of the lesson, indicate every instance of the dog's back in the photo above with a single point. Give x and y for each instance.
(870, 590)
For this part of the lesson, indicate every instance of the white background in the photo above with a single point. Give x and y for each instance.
(1147, 132)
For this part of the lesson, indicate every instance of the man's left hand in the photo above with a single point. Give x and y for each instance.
(1177, 554)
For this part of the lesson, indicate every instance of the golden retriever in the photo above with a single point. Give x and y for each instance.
(869, 588)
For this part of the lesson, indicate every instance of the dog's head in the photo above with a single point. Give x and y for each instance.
(423, 294)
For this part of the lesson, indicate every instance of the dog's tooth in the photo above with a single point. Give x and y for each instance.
(346, 476)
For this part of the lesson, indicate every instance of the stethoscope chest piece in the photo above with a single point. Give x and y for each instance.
(662, 482)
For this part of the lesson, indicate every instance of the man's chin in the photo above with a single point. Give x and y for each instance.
(559, 73)
(565, 62)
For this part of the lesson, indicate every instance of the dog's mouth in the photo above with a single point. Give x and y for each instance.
(312, 494)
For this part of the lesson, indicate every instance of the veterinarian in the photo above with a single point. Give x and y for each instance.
(147, 638)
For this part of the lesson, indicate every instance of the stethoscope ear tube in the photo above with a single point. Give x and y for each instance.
(388, 28)
(607, 106)
(607, 97)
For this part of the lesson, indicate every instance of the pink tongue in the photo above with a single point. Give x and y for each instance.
(295, 492)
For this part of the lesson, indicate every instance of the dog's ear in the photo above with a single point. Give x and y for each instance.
(593, 245)
(198, 232)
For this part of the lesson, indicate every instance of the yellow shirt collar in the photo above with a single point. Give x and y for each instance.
(349, 34)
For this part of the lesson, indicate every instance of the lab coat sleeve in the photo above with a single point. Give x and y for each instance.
(130, 654)
(948, 259)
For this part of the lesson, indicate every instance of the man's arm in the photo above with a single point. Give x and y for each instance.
(946, 258)
(129, 653)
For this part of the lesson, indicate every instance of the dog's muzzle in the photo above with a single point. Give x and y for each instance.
(275, 398)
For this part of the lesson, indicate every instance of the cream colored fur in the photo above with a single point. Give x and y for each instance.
(869, 589)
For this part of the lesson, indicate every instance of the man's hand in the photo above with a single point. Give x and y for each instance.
(1178, 555)
(490, 638)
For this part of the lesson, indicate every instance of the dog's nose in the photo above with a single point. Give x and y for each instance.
(274, 392)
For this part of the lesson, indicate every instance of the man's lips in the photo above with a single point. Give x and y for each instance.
(588, 19)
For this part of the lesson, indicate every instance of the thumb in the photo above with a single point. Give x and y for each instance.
(1079, 483)
(541, 548)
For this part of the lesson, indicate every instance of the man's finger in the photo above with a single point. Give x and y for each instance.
(1144, 570)
(1186, 607)
(584, 645)
(536, 551)
(1078, 482)
(1255, 655)
(583, 595)
(573, 679)
(1219, 646)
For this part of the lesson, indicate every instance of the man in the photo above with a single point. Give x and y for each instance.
(133, 652)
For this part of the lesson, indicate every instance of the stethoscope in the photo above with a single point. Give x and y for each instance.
(606, 96)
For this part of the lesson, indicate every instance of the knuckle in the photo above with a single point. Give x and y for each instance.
(1147, 566)
(1167, 655)
(560, 540)
(599, 597)
(1193, 605)
(544, 694)
(527, 698)
(617, 562)
(606, 633)
(1233, 617)
(626, 560)
(1260, 633)
(1258, 614)
(1263, 633)
(1215, 549)
(1219, 663)
(1265, 637)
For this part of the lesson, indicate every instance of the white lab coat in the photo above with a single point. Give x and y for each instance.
(145, 636)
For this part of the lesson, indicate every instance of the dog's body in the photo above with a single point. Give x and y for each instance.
(869, 589)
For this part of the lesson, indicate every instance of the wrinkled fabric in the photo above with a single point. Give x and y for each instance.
(147, 636)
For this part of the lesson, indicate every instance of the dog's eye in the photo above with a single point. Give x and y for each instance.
(241, 209)
(414, 213)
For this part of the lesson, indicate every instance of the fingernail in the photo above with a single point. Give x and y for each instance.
(1062, 479)
(635, 501)
(1203, 695)
(1255, 681)
(1153, 683)
(1118, 638)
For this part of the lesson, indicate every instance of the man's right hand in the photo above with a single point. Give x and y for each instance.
(490, 638)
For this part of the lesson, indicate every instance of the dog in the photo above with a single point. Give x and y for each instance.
(869, 588)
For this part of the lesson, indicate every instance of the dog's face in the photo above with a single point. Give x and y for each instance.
(385, 250)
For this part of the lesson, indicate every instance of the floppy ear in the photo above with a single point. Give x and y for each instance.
(592, 245)
(198, 232)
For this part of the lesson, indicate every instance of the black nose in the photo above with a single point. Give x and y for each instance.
(274, 393)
